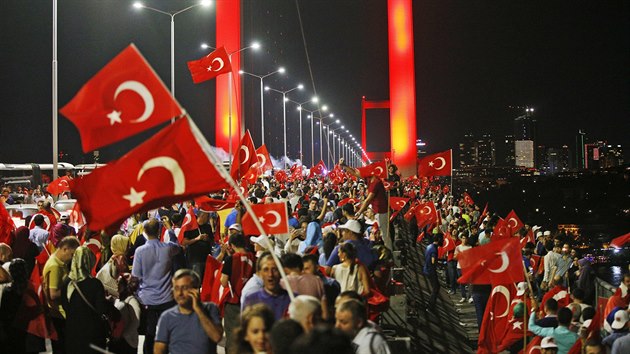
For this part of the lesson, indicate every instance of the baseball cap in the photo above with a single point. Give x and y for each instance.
(539, 233)
(520, 288)
(621, 318)
(548, 342)
(236, 227)
(536, 228)
(263, 241)
(547, 233)
(352, 225)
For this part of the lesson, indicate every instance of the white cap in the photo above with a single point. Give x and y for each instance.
(536, 228)
(263, 241)
(352, 225)
(236, 227)
(539, 233)
(548, 342)
(621, 318)
(586, 324)
(547, 233)
(521, 288)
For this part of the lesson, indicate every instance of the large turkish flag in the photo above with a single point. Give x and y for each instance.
(495, 324)
(124, 98)
(498, 262)
(170, 167)
(264, 160)
(439, 164)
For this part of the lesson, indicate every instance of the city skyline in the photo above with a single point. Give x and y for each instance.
(473, 61)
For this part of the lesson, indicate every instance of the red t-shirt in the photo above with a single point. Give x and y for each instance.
(379, 203)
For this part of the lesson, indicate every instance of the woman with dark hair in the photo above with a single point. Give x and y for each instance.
(24, 248)
(330, 241)
(83, 300)
(20, 305)
(349, 273)
(129, 307)
(253, 334)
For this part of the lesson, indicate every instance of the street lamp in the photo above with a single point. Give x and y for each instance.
(262, 107)
(254, 46)
(284, 114)
(138, 5)
(312, 100)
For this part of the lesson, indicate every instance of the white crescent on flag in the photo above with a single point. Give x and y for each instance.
(143, 92)
(505, 262)
(505, 292)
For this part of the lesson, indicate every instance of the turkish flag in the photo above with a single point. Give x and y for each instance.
(345, 201)
(620, 241)
(77, 219)
(60, 185)
(535, 261)
(558, 293)
(210, 66)
(273, 218)
(233, 196)
(244, 158)
(47, 222)
(397, 203)
(533, 347)
(296, 174)
(495, 323)
(211, 288)
(252, 174)
(170, 167)
(188, 224)
(529, 237)
(6, 225)
(446, 189)
(426, 214)
(468, 199)
(501, 229)
(318, 169)
(439, 164)
(281, 176)
(514, 222)
(264, 160)
(207, 204)
(378, 169)
(411, 212)
(124, 98)
(449, 245)
(483, 214)
(498, 262)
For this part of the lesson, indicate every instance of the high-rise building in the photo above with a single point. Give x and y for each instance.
(580, 142)
(541, 158)
(558, 160)
(505, 151)
(486, 151)
(603, 155)
(467, 151)
(525, 139)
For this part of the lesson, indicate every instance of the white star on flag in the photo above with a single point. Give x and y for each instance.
(114, 117)
(261, 219)
(209, 68)
(134, 197)
(517, 324)
(431, 164)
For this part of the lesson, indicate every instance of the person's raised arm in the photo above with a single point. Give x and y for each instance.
(214, 331)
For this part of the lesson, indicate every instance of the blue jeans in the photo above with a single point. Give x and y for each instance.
(462, 287)
(480, 301)
(451, 267)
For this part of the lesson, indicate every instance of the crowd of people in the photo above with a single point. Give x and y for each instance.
(82, 288)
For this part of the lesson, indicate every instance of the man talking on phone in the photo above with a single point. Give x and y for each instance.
(191, 326)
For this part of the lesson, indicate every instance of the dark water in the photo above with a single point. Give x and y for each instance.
(611, 274)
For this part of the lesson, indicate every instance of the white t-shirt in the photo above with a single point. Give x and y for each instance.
(459, 249)
(369, 341)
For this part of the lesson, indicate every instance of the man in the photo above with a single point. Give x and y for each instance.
(564, 337)
(551, 314)
(550, 264)
(237, 269)
(272, 293)
(190, 326)
(307, 310)
(351, 232)
(152, 266)
(595, 346)
(53, 280)
(430, 269)
(38, 235)
(377, 198)
(619, 327)
(351, 318)
(198, 244)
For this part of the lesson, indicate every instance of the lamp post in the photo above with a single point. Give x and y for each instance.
(139, 5)
(254, 46)
(313, 100)
(312, 117)
(284, 114)
(262, 104)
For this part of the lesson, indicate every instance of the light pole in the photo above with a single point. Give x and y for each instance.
(262, 105)
(313, 100)
(312, 117)
(139, 5)
(254, 46)
(284, 114)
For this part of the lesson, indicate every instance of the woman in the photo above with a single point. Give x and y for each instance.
(350, 274)
(83, 300)
(253, 334)
(129, 307)
(20, 306)
(117, 265)
(24, 248)
(330, 241)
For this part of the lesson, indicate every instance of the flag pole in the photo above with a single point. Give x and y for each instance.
(226, 176)
(451, 171)
(525, 312)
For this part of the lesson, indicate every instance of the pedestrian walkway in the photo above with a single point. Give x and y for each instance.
(449, 328)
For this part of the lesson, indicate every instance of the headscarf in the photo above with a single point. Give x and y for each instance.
(118, 261)
(21, 243)
(81, 267)
(119, 244)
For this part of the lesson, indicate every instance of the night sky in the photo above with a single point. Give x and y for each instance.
(568, 60)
